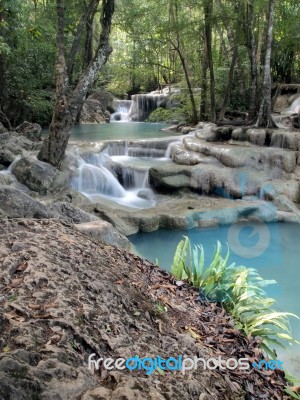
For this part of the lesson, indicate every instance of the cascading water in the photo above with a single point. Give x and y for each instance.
(96, 179)
(122, 111)
(143, 105)
(114, 175)
(295, 106)
(139, 108)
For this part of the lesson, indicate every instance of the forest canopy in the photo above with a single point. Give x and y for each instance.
(217, 48)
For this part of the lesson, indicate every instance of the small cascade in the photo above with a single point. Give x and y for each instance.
(112, 174)
(143, 105)
(139, 108)
(122, 111)
(96, 179)
(145, 152)
(168, 152)
(295, 106)
(117, 148)
(135, 178)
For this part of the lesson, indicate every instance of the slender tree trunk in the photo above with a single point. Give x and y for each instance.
(88, 14)
(208, 9)
(233, 35)
(203, 82)
(187, 78)
(229, 84)
(88, 54)
(253, 66)
(68, 101)
(265, 119)
(173, 13)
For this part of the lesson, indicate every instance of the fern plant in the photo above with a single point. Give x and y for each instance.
(239, 289)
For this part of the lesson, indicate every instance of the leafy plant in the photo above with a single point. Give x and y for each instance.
(239, 289)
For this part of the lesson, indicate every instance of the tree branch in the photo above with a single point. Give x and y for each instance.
(100, 58)
(61, 71)
(90, 10)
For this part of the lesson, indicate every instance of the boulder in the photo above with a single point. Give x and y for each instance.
(170, 177)
(146, 194)
(206, 132)
(30, 130)
(183, 157)
(104, 231)
(6, 157)
(17, 204)
(70, 196)
(106, 99)
(39, 176)
(71, 214)
(2, 128)
(92, 113)
(11, 146)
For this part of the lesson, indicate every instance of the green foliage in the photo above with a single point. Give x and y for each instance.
(291, 393)
(39, 107)
(164, 115)
(239, 289)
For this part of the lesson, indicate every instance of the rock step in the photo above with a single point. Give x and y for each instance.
(223, 181)
(281, 138)
(237, 156)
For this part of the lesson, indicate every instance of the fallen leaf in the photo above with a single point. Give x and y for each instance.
(16, 282)
(51, 305)
(22, 267)
(20, 319)
(159, 286)
(193, 333)
(34, 306)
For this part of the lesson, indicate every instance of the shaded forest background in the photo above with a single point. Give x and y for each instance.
(217, 48)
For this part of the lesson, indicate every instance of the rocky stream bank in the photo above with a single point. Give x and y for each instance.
(65, 295)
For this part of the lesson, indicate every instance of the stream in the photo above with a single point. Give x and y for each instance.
(120, 173)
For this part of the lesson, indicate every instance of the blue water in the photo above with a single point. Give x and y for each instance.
(119, 131)
(273, 249)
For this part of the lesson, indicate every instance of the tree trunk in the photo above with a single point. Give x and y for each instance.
(208, 8)
(68, 101)
(265, 119)
(88, 15)
(203, 82)
(253, 65)
(229, 84)
(187, 78)
(177, 47)
(233, 37)
(88, 55)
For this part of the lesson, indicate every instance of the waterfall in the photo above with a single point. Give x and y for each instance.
(143, 105)
(295, 106)
(122, 111)
(139, 108)
(112, 174)
(96, 179)
(135, 178)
